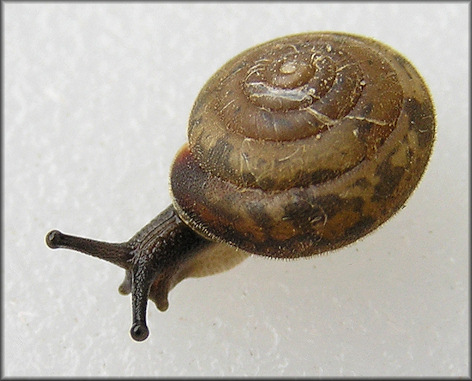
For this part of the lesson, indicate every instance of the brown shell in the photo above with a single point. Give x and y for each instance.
(304, 144)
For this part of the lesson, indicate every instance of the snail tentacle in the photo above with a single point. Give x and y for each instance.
(116, 253)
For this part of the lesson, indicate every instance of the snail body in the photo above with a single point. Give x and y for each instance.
(296, 147)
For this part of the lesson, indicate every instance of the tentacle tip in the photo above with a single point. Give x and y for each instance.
(139, 331)
(54, 239)
(162, 305)
(124, 289)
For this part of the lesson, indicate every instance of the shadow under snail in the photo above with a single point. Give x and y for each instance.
(297, 146)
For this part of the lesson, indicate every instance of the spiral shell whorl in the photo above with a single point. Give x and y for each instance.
(281, 98)
(289, 137)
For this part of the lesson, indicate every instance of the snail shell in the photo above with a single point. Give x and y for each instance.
(303, 144)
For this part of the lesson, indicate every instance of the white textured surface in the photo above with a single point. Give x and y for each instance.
(97, 98)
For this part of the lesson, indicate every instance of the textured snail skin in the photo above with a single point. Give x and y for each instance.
(296, 147)
(303, 145)
(158, 257)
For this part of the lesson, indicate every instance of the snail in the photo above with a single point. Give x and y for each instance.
(296, 147)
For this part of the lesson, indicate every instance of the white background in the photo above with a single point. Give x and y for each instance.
(96, 103)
